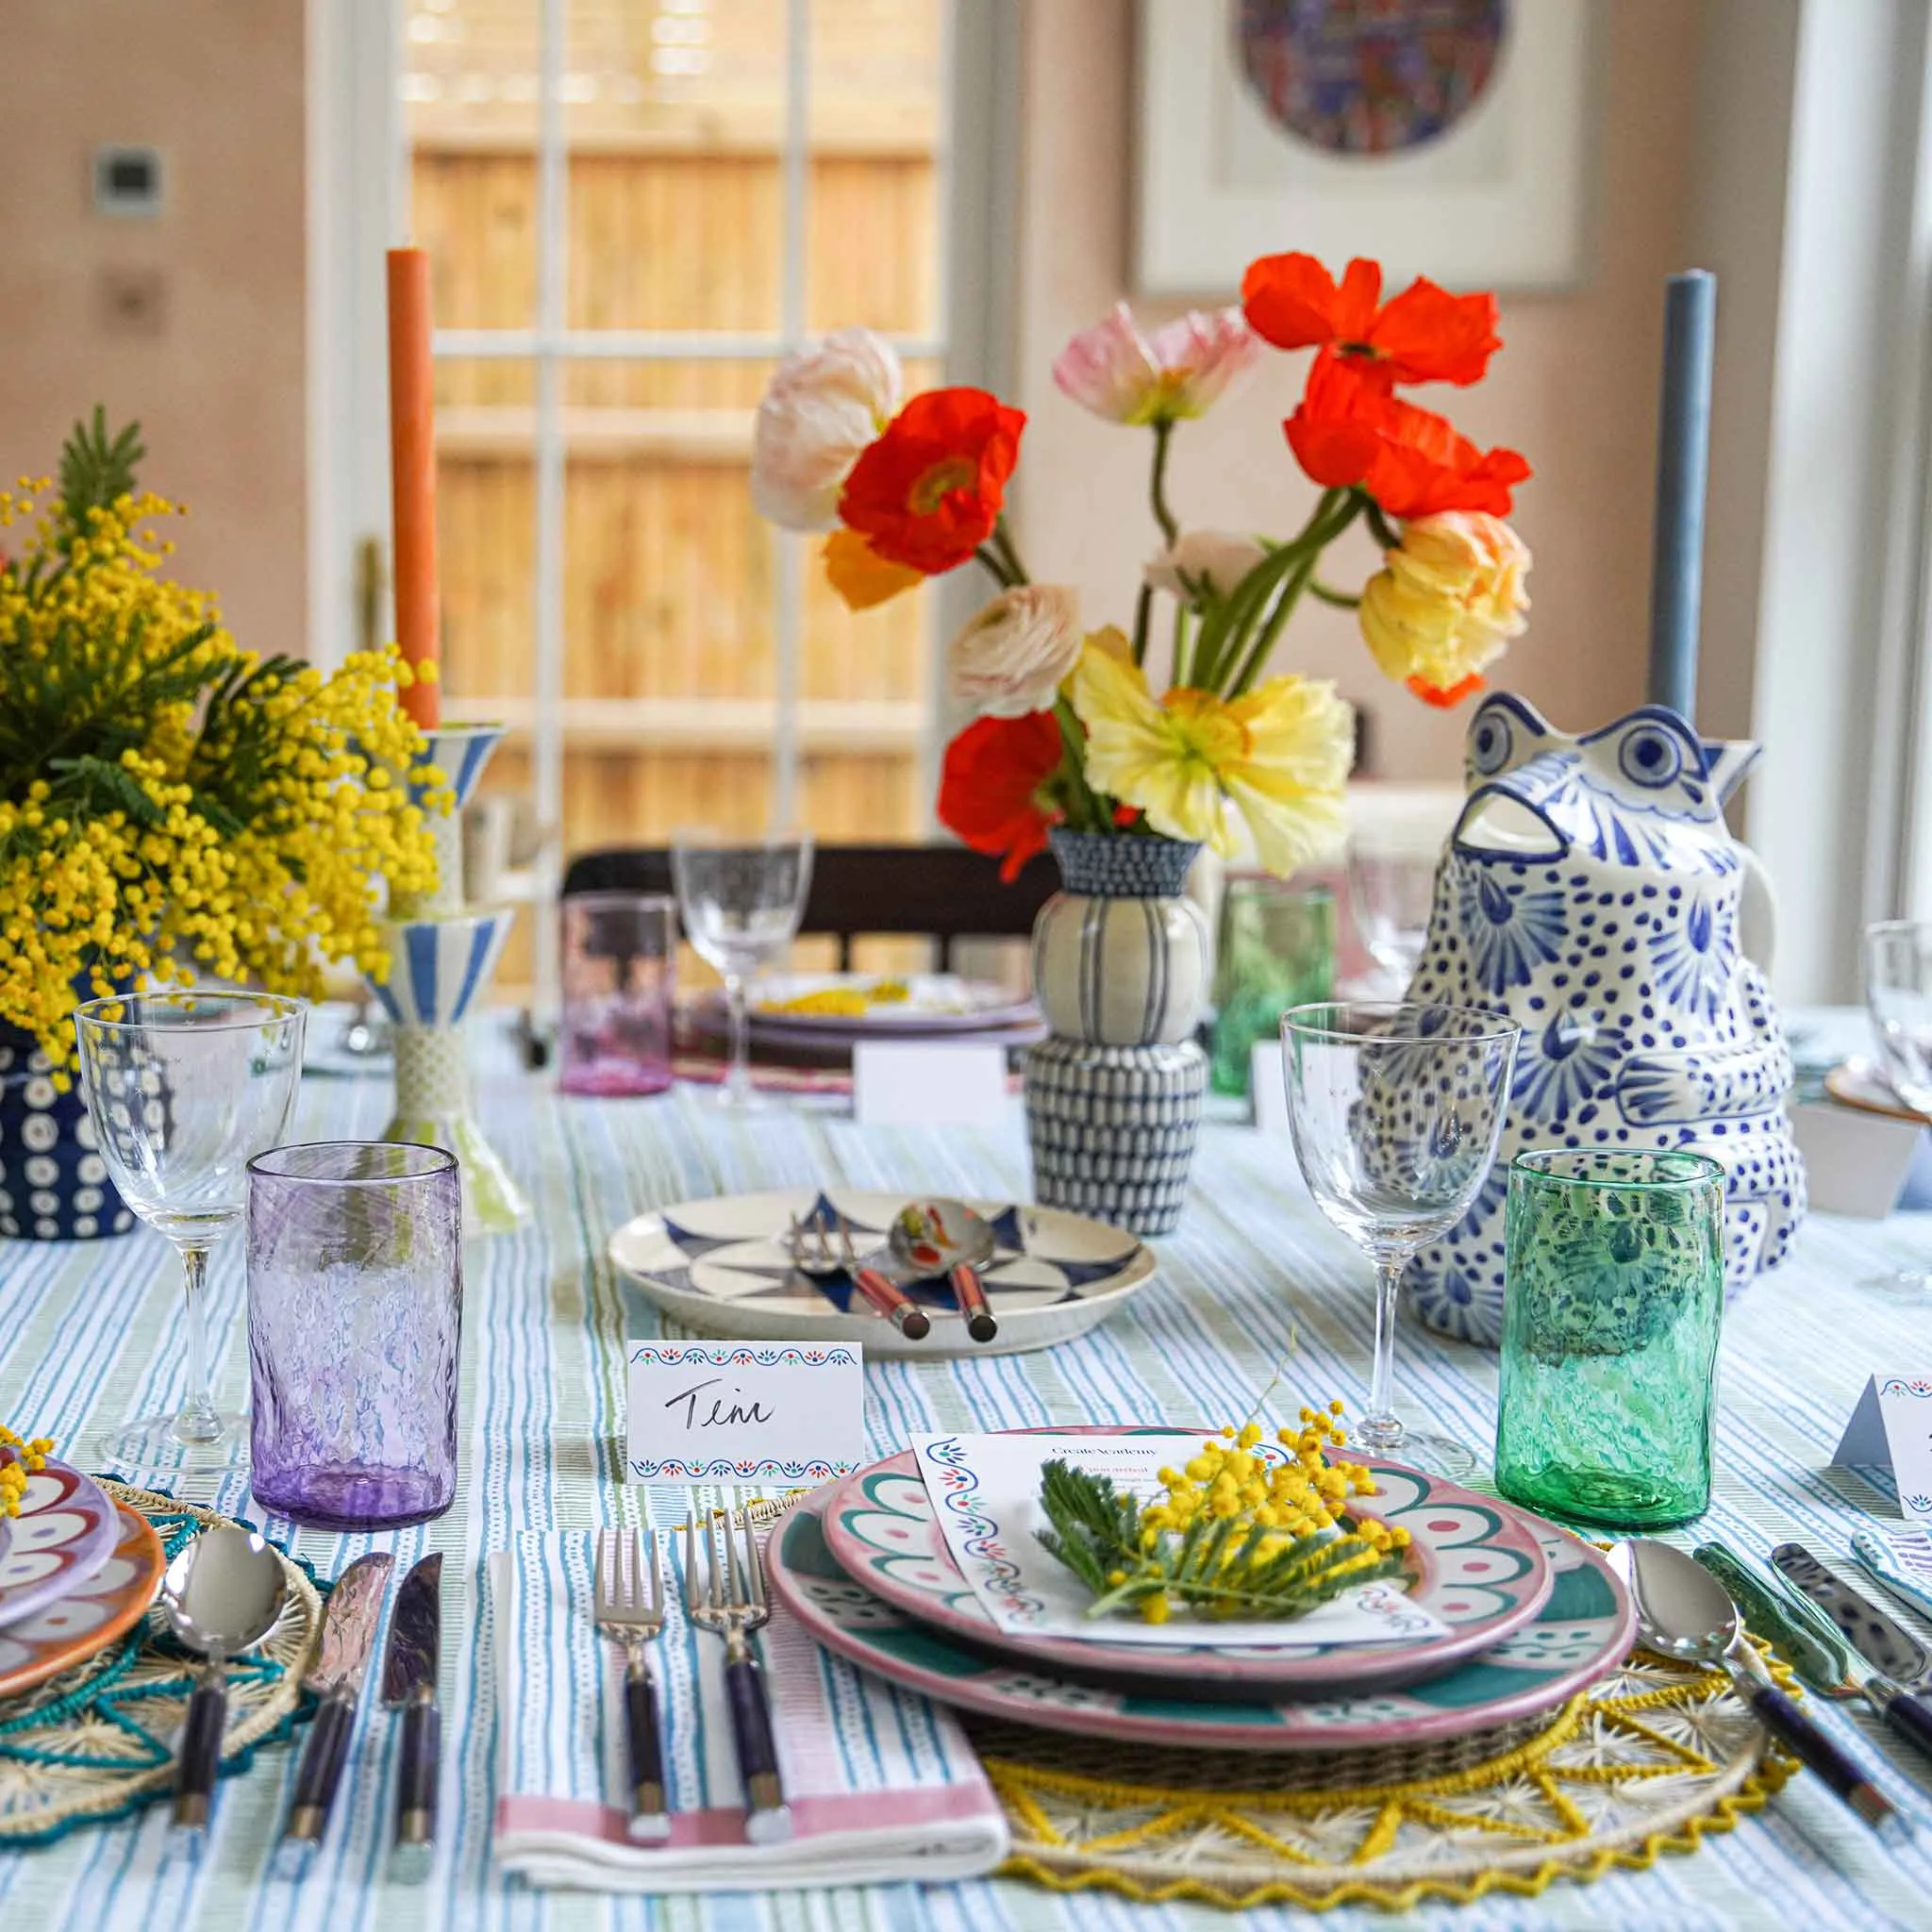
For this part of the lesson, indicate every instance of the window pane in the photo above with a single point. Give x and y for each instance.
(470, 88)
(875, 125)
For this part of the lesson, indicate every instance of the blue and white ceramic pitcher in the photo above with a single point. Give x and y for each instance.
(1591, 891)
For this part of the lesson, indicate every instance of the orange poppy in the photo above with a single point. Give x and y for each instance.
(1445, 697)
(1422, 335)
(927, 494)
(1347, 433)
(862, 576)
(990, 782)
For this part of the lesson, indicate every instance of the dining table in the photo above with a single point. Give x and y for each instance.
(1254, 1294)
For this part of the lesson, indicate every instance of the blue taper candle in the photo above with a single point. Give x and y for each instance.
(1683, 464)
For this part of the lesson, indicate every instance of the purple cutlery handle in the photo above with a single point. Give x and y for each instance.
(320, 1771)
(201, 1752)
(650, 1823)
(1910, 1716)
(1793, 1729)
(768, 1818)
(416, 1781)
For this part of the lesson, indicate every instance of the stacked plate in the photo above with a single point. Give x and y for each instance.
(1534, 1617)
(77, 1571)
(838, 1009)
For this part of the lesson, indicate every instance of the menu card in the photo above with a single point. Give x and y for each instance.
(985, 1491)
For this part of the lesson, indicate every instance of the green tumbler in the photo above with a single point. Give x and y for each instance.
(1277, 950)
(1612, 1308)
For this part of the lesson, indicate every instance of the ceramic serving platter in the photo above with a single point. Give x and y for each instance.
(721, 1267)
(934, 1003)
(1478, 1565)
(1583, 1631)
(90, 1616)
(66, 1529)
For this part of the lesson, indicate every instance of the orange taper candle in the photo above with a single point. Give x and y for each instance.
(412, 474)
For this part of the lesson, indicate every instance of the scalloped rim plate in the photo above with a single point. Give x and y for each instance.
(89, 1617)
(1480, 1565)
(1583, 1632)
(66, 1529)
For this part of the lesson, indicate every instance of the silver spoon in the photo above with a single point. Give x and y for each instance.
(1686, 1613)
(221, 1596)
(945, 1236)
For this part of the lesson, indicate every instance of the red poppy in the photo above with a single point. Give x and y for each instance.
(1410, 460)
(928, 493)
(989, 787)
(1423, 335)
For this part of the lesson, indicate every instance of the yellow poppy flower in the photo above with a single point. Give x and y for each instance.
(1280, 754)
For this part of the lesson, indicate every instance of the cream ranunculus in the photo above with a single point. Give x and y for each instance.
(1202, 566)
(1280, 754)
(1010, 659)
(820, 411)
(1447, 603)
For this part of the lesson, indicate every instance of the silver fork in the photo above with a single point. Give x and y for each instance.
(630, 1608)
(728, 1599)
(815, 1261)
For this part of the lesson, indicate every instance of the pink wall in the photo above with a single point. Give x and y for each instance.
(1574, 388)
(218, 385)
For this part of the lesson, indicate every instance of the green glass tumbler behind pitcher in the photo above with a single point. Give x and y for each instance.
(1612, 1310)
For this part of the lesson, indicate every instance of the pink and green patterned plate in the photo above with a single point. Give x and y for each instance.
(1582, 1633)
(1477, 1564)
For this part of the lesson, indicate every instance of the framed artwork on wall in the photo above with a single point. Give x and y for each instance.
(1446, 137)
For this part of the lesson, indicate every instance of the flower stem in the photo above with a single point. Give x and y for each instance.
(1170, 527)
(1143, 611)
(1177, 673)
(1384, 533)
(1311, 544)
(1340, 599)
(1074, 740)
(997, 566)
(1008, 550)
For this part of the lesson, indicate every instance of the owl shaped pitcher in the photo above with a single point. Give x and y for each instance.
(1591, 891)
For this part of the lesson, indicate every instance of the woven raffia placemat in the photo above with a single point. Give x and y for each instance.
(1647, 1761)
(96, 1743)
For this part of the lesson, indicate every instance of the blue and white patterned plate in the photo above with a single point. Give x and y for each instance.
(720, 1267)
(1582, 1633)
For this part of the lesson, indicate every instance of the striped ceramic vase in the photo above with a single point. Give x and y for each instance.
(1121, 964)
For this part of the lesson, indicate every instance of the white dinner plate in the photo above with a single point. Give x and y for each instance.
(720, 1267)
(935, 1003)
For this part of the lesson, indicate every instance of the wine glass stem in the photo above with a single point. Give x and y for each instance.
(738, 1074)
(196, 1420)
(1380, 1429)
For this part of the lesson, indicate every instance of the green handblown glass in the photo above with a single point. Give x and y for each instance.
(1277, 950)
(1612, 1310)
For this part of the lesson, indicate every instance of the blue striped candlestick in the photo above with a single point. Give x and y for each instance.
(1683, 465)
(442, 956)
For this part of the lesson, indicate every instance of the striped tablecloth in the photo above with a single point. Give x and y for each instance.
(90, 1332)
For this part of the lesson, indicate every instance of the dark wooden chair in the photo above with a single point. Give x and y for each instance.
(944, 892)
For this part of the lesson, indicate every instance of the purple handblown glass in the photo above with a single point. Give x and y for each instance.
(355, 1321)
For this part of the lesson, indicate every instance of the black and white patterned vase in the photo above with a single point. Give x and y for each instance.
(1122, 963)
(54, 1184)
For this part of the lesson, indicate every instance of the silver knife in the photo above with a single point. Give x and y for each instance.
(1899, 1658)
(408, 1685)
(348, 1637)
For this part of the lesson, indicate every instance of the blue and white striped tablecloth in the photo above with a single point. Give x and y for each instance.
(88, 1333)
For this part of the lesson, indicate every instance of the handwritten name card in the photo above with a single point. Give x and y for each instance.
(1891, 1429)
(746, 1411)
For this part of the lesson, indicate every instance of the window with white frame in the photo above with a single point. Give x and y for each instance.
(634, 209)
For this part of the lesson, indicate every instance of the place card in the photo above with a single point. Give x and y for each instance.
(745, 1411)
(1891, 1429)
(1266, 1084)
(929, 1083)
(985, 1492)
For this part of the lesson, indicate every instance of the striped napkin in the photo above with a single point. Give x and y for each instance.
(882, 1784)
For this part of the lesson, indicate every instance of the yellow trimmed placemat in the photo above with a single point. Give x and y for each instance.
(1646, 1761)
(96, 1741)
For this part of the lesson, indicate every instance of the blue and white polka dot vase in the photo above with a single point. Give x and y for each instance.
(1591, 891)
(54, 1184)
(1122, 962)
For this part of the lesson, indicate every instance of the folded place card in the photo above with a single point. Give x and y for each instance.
(985, 1492)
(925, 1083)
(1891, 1429)
(1267, 1085)
(745, 1411)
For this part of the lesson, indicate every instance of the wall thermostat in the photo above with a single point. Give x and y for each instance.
(128, 182)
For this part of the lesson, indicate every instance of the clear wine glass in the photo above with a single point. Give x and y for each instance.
(1396, 1111)
(741, 901)
(183, 1089)
(1898, 997)
(1392, 889)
